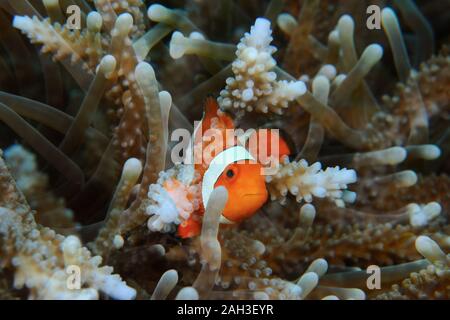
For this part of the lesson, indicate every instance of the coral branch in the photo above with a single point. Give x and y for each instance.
(41, 258)
(304, 182)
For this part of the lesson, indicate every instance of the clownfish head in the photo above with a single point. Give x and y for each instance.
(246, 188)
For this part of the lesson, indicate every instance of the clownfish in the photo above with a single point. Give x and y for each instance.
(231, 166)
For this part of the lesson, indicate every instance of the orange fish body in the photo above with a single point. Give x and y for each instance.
(243, 179)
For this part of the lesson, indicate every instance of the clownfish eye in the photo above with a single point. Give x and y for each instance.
(230, 173)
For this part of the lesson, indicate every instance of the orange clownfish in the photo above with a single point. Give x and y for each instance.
(228, 163)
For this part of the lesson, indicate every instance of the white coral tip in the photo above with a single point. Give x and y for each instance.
(307, 214)
(94, 21)
(196, 36)
(432, 209)
(108, 65)
(395, 155)
(308, 282)
(330, 298)
(339, 79)
(318, 266)
(261, 25)
(421, 216)
(349, 196)
(249, 54)
(260, 33)
(187, 293)
(118, 241)
(431, 152)
(23, 23)
(177, 45)
(159, 248)
(375, 51)
(70, 245)
(124, 23)
(158, 13)
(348, 176)
(334, 36)
(408, 178)
(118, 289)
(355, 294)
(321, 86)
(165, 99)
(346, 23)
(388, 15)
(144, 72)
(299, 88)
(132, 168)
(259, 247)
(261, 296)
(247, 94)
(286, 22)
(328, 70)
(50, 3)
(429, 249)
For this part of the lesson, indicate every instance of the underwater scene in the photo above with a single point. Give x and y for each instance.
(224, 149)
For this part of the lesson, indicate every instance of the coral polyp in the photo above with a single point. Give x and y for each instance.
(102, 107)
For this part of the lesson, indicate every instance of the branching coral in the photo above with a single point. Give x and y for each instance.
(89, 48)
(305, 181)
(175, 196)
(61, 41)
(254, 86)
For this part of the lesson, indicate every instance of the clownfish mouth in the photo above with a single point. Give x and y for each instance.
(244, 206)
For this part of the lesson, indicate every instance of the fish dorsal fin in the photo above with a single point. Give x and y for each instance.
(209, 113)
(213, 118)
(212, 112)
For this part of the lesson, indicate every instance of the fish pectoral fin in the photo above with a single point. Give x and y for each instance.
(225, 220)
